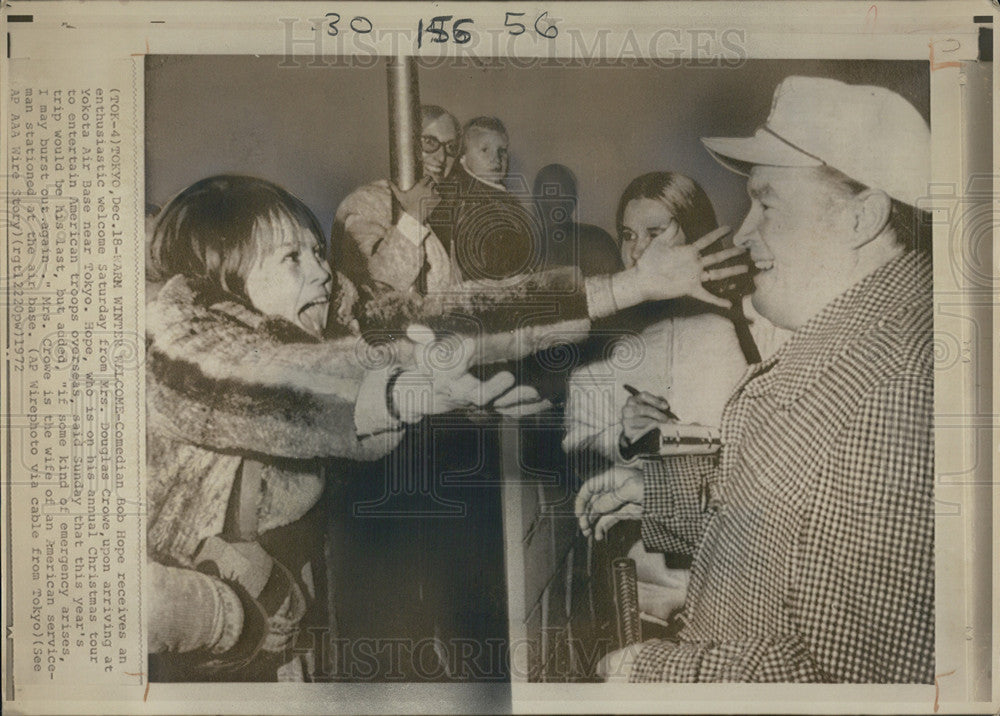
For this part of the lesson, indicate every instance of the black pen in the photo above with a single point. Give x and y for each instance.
(633, 391)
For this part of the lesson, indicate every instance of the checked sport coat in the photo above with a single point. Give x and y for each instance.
(813, 535)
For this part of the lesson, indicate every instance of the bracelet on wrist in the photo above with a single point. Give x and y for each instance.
(390, 398)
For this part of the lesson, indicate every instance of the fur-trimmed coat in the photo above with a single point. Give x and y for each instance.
(226, 385)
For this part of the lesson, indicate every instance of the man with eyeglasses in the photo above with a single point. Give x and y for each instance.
(406, 256)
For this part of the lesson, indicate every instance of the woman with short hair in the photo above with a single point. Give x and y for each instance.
(247, 391)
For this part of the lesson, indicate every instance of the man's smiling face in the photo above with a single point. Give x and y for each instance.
(794, 232)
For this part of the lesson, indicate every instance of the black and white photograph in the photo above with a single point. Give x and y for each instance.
(478, 372)
(475, 357)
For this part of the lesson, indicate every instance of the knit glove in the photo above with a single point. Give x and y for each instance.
(273, 603)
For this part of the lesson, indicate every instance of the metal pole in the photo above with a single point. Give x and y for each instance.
(405, 166)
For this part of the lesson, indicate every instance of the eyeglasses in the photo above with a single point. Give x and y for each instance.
(431, 144)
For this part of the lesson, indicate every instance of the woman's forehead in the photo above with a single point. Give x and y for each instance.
(643, 209)
(279, 229)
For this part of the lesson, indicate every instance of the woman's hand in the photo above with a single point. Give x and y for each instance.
(608, 498)
(521, 401)
(441, 382)
(642, 413)
(666, 270)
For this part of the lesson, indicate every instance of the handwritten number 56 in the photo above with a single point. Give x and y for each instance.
(549, 31)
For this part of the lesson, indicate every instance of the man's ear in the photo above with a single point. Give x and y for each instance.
(872, 208)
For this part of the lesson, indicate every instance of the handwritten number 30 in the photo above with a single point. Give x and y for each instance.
(360, 24)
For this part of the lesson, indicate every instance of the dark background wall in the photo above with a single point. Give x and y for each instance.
(322, 131)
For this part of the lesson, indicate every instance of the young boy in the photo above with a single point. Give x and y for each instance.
(485, 145)
(491, 233)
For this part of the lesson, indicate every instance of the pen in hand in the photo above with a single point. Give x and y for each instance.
(633, 391)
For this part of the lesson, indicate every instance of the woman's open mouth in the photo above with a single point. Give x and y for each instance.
(313, 315)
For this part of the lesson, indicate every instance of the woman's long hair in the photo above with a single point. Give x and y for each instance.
(684, 198)
(692, 209)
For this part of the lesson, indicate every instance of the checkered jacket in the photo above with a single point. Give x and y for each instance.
(813, 536)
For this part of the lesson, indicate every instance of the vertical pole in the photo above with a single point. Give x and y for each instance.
(405, 167)
(980, 539)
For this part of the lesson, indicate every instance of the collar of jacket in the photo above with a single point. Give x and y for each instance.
(474, 180)
(899, 287)
(178, 298)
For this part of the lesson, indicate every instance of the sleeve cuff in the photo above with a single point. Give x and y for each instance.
(626, 290)
(412, 229)
(600, 301)
(610, 293)
(230, 618)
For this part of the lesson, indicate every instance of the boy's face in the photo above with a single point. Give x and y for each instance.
(486, 154)
(290, 277)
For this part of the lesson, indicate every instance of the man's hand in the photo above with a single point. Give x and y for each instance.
(419, 200)
(608, 498)
(642, 413)
(617, 666)
(666, 270)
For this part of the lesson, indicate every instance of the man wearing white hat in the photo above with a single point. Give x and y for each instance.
(813, 537)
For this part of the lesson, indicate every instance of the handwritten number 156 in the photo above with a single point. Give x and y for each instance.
(438, 31)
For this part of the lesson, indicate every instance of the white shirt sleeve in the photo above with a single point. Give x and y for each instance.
(412, 229)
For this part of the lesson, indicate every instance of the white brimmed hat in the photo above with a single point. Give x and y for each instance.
(871, 134)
